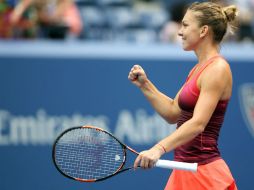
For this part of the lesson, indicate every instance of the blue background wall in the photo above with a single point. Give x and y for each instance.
(46, 88)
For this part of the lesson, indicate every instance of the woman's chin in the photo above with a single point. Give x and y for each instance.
(186, 48)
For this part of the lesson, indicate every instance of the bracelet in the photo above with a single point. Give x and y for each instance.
(164, 149)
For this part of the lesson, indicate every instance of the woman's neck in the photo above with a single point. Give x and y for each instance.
(205, 51)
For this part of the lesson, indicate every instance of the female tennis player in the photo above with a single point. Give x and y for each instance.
(200, 105)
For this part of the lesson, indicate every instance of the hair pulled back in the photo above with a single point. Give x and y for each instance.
(219, 18)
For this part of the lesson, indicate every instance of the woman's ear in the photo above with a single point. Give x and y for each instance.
(203, 31)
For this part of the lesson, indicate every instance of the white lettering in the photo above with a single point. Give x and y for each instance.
(41, 128)
(125, 127)
(142, 129)
(4, 115)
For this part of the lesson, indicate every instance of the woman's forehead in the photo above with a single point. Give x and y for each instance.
(187, 17)
(190, 16)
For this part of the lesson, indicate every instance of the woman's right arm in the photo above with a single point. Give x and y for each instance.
(168, 108)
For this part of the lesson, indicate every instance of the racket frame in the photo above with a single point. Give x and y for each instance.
(119, 170)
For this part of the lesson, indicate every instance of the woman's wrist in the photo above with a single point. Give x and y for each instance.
(144, 85)
(148, 89)
(161, 148)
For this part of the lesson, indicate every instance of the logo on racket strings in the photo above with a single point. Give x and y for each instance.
(117, 157)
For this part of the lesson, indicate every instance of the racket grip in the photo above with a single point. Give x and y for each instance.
(177, 165)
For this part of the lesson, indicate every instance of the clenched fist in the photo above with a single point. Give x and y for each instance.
(137, 76)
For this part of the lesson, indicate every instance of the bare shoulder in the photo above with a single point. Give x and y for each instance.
(219, 69)
(217, 75)
(217, 78)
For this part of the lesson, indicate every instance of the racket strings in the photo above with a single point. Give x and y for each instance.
(87, 153)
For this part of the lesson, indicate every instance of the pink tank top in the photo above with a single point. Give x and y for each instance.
(203, 148)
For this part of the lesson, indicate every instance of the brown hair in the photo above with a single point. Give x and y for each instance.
(215, 16)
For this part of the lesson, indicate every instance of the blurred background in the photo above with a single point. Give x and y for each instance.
(65, 63)
(154, 21)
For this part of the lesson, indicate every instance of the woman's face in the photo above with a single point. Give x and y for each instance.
(190, 31)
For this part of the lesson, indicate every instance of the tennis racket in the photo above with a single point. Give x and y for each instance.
(90, 154)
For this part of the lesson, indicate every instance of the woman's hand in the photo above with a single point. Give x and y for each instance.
(148, 158)
(137, 76)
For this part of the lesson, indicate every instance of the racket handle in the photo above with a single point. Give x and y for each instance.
(177, 165)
